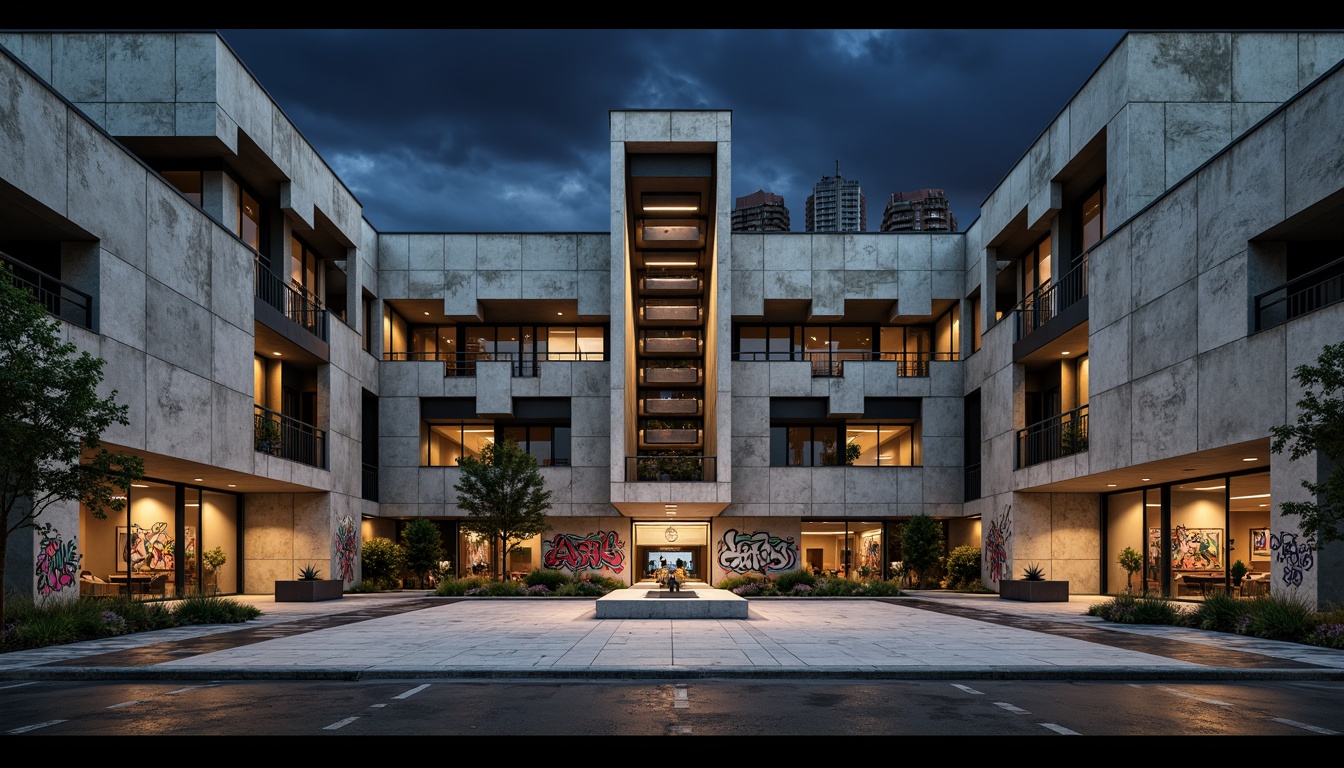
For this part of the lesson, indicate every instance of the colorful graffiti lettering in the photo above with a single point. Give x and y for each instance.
(57, 562)
(1297, 558)
(742, 552)
(996, 544)
(603, 549)
(346, 548)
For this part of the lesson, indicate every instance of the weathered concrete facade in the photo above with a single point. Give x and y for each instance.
(151, 172)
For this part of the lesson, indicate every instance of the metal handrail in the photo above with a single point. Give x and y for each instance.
(287, 437)
(1055, 437)
(1049, 299)
(831, 364)
(59, 297)
(1306, 293)
(296, 303)
(369, 482)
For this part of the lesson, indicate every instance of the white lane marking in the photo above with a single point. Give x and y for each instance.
(967, 689)
(184, 690)
(341, 723)
(1059, 729)
(27, 728)
(1214, 702)
(127, 704)
(679, 700)
(376, 706)
(1011, 708)
(1305, 727)
(411, 692)
(16, 685)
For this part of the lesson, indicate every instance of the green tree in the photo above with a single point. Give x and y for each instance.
(1131, 561)
(963, 567)
(1319, 430)
(424, 547)
(922, 547)
(505, 496)
(51, 420)
(380, 560)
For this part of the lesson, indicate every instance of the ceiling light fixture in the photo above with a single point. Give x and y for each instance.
(1251, 458)
(675, 202)
(1252, 496)
(1211, 488)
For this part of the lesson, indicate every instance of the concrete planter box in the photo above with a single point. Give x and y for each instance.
(308, 590)
(671, 376)
(1047, 591)
(677, 284)
(681, 346)
(672, 314)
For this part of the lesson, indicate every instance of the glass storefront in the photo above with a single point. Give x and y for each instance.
(171, 540)
(847, 548)
(1190, 535)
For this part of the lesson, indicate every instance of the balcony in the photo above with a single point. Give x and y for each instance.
(670, 469)
(832, 364)
(670, 285)
(369, 484)
(971, 483)
(60, 299)
(681, 346)
(285, 436)
(670, 438)
(1315, 290)
(681, 376)
(685, 406)
(1048, 301)
(1053, 438)
(671, 314)
(301, 307)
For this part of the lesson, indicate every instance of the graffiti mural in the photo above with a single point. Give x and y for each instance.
(759, 551)
(996, 544)
(1297, 558)
(596, 551)
(346, 548)
(57, 562)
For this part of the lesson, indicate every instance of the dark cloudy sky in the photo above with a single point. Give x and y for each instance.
(498, 130)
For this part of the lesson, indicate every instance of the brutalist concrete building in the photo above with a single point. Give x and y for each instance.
(300, 382)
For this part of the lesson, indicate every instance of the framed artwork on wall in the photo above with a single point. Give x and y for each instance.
(1260, 544)
(1196, 549)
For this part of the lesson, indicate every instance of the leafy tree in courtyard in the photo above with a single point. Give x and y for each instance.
(424, 547)
(51, 420)
(380, 560)
(922, 547)
(505, 496)
(1319, 429)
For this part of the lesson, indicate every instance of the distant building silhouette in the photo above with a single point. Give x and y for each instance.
(837, 205)
(760, 211)
(923, 210)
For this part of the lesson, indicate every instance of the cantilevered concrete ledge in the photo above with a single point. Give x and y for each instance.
(654, 603)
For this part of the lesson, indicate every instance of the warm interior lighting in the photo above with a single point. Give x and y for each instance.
(1144, 479)
(139, 485)
(1211, 488)
(1252, 458)
(1152, 505)
(670, 264)
(233, 485)
(277, 354)
(670, 232)
(1110, 485)
(197, 480)
(1063, 353)
(191, 505)
(669, 506)
(665, 202)
(1252, 496)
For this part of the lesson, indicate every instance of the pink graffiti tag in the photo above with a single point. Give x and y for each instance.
(996, 544)
(603, 549)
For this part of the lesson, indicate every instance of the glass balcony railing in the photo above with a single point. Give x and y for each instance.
(1053, 438)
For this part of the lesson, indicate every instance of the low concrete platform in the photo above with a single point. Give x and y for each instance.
(641, 602)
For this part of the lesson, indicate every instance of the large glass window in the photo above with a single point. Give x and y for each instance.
(249, 220)
(1092, 218)
(442, 444)
(844, 548)
(833, 444)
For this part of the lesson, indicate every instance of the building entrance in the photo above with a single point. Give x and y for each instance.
(662, 548)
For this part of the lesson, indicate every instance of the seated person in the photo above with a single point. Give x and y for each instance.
(673, 583)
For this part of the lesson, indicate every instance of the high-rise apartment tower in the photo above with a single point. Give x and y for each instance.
(837, 205)
(923, 210)
(760, 211)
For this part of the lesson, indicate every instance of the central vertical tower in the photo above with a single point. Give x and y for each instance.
(670, 381)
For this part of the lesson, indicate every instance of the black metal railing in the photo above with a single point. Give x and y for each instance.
(1041, 305)
(1053, 438)
(369, 486)
(60, 298)
(670, 469)
(288, 438)
(971, 487)
(295, 303)
(831, 364)
(1318, 288)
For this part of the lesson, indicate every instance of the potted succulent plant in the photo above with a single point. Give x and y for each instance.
(1033, 587)
(310, 587)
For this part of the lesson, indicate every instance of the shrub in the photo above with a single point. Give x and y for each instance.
(1329, 635)
(838, 586)
(508, 588)
(203, 609)
(1128, 609)
(381, 560)
(549, 578)
(881, 588)
(1280, 617)
(538, 590)
(922, 548)
(605, 583)
(786, 581)
(963, 567)
(752, 589)
(457, 587)
(733, 582)
(1220, 613)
